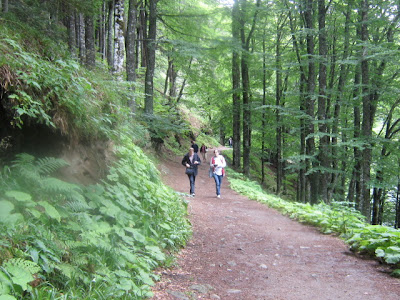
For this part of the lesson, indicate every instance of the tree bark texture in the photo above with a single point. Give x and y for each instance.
(366, 129)
(310, 103)
(151, 58)
(119, 39)
(236, 100)
(90, 43)
(110, 35)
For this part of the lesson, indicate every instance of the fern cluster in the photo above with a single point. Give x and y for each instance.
(101, 240)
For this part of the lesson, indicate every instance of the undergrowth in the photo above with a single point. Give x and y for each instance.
(339, 218)
(65, 241)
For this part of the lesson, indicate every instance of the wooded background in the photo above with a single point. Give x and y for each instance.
(307, 88)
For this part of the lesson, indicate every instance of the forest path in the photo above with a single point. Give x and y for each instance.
(243, 250)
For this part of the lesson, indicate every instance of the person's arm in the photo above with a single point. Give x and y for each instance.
(223, 162)
(184, 161)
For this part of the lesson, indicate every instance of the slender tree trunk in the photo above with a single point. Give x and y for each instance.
(366, 122)
(131, 41)
(322, 117)
(143, 34)
(119, 41)
(340, 91)
(354, 194)
(102, 31)
(310, 102)
(263, 115)
(5, 6)
(110, 34)
(278, 95)
(180, 94)
(82, 44)
(246, 107)
(151, 57)
(246, 93)
(301, 181)
(72, 33)
(89, 41)
(236, 105)
(131, 62)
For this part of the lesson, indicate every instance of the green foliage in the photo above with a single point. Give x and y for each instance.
(100, 241)
(338, 218)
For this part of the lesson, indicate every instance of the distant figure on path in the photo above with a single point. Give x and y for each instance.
(230, 142)
(218, 164)
(195, 146)
(203, 151)
(191, 160)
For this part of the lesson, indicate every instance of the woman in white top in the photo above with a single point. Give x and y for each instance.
(218, 164)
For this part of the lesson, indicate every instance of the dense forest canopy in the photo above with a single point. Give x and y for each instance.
(307, 89)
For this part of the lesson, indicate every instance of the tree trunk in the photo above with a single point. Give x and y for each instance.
(184, 82)
(278, 95)
(72, 33)
(110, 34)
(322, 117)
(5, 6)
(131, 42)
(81, 39)
(310, 103)
(131, 62)
(366, 121)
(151, 58)
(343, 73)
(142, 34)
(246, 106)
(119, 41)
(246, 93)
(263, 115)
(102, 31)
(89, 41)
(236, 105)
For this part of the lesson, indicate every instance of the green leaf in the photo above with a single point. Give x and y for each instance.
(51, 211)
(7, 297)
(6, 207)
(19, 196)
(20, 276)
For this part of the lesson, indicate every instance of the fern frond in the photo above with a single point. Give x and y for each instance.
(48, 165)
(54, 185)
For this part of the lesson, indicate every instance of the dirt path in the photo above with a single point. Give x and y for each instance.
(244, 250)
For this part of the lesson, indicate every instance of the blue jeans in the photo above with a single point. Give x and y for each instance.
(192, 179)
(218, 182)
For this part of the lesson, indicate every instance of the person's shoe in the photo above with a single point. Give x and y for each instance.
(193, 195)
(218, 196)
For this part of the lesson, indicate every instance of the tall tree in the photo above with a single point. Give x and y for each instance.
(90, 43)
(246, 93)
(119, 39)
(310, 101)
(110, 34)
(236, 100)
(322, 109)
(131, 63)
(151, 58)
(366, 130)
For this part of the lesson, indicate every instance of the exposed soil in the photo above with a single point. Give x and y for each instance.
(242, 249)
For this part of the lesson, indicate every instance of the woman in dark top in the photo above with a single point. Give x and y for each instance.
(191, 160)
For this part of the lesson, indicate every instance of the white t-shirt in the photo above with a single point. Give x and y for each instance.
(220, 162)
